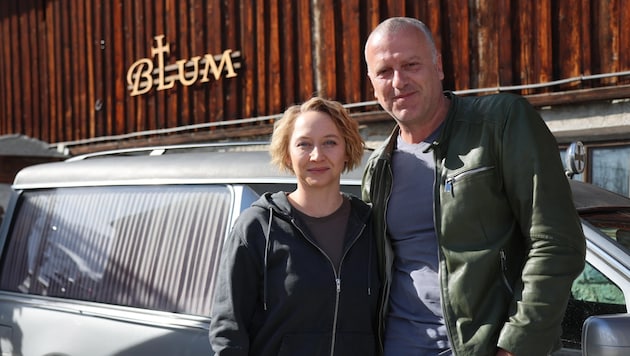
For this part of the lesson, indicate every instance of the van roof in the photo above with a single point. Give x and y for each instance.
(174, 168)
(220, 167)
(589, 197)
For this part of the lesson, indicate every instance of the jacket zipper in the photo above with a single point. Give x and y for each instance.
(380, 172)
(337, 278)
(387, 256)
(504, 270)
(445, 314)
(451, 180)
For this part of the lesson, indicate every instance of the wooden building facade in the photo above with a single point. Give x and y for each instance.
(99, 74)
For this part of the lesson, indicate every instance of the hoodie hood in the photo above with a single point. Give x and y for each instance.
(277, 202)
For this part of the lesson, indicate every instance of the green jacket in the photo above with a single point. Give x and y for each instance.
(510, 239)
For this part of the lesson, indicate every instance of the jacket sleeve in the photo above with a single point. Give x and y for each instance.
(541, 199)
(235, 296)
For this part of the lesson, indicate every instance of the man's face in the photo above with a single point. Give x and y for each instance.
(405, 74)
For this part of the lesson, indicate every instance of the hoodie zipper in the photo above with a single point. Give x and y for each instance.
(337, 277)
(449, 184)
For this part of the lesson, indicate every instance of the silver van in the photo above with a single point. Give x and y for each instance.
(116, 253)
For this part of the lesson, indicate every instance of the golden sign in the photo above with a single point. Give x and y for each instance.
(143, 75)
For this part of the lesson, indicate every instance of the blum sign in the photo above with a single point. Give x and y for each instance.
(144, 74)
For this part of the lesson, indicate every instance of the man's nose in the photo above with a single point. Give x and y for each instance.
(399, 80)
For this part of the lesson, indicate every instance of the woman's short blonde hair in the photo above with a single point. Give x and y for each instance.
(283, 129)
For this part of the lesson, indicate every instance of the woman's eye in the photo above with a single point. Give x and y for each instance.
(330, 143)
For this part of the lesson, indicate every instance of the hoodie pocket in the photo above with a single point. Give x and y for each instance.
(355, 344)
(314, 344)
(305, 344)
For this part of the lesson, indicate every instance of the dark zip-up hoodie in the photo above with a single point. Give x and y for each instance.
(278, 293)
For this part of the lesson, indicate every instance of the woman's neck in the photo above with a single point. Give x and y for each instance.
(316, 203)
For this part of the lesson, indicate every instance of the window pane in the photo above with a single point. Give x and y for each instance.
(610, 168)
(592, 286)
(153, 247)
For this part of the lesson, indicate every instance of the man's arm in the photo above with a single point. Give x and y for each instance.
(541, 199)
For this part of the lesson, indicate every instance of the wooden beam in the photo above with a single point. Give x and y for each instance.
(365, 118)
(580, 96)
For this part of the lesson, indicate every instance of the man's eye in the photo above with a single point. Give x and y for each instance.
(412, 66)
(384, 73)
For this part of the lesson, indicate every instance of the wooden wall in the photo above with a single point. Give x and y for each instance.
(64, 63)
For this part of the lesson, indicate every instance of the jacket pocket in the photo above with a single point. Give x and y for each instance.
(475, 212)
(451, 180)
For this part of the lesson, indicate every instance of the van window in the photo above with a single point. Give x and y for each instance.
(154, 247)
(592, 293)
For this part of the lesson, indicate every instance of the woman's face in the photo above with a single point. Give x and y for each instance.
(317, 151)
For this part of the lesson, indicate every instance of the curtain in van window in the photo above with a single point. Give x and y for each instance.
(154, 247)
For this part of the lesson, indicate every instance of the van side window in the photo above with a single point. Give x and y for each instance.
(154, 247)
(592, 293)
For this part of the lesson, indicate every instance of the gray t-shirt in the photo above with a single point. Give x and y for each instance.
(329, 232)
(415, 324)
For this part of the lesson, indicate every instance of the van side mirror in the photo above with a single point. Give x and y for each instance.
(575, 159)
(607, 335)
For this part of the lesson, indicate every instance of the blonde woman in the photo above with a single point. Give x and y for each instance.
(299, 273)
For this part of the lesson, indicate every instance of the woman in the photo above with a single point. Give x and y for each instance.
(298, 273)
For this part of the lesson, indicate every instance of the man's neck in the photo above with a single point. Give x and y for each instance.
(421, 131)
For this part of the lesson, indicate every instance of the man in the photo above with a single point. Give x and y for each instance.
(479, 238)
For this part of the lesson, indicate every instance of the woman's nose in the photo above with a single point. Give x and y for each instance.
(315, 154)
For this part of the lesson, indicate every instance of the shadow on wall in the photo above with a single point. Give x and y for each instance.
(19, 151)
